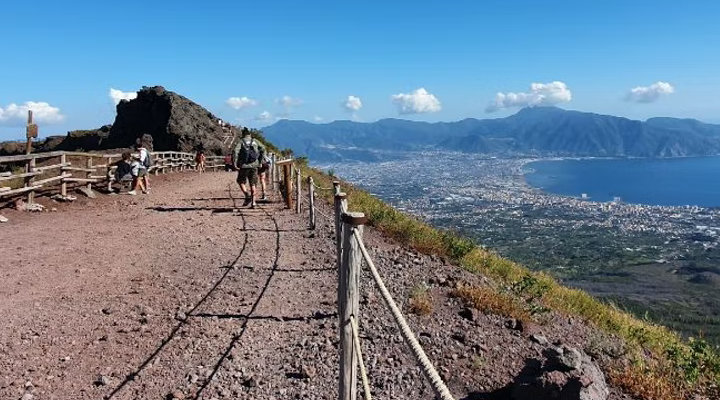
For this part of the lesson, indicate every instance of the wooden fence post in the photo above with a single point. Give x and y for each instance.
(109, 176)
(336, 187)
(273, 172)
(89, 165)
(298, 190)
(287, 178)
(311, 201)
(340, 208)
(349, 303)
(29, 180)
(63, 185)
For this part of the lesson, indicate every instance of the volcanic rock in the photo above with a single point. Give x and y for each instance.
(174, 122)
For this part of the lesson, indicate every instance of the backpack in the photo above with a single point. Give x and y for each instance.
(148, 162)
(249, 152)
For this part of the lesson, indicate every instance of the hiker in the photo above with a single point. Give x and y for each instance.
(143, 147)
(200, 161)
(138, 172)
(262, 175)
(248, 154)
(123, 172)
(228, 163)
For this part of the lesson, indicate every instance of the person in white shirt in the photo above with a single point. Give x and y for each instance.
(144, 155)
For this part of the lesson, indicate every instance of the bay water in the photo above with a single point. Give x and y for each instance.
(665, 182)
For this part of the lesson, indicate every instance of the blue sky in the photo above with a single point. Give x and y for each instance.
(417, 60)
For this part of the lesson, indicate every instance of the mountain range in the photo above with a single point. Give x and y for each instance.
(537, 131)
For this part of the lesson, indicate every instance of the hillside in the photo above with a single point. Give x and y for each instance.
(532, 131)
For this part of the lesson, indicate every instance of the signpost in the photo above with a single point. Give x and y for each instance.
(31, 133)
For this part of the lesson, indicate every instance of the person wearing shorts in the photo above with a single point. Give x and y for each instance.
(248, 155)
(138, 172)
(262, 175)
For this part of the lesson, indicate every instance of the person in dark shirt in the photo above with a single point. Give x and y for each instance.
(123, 172)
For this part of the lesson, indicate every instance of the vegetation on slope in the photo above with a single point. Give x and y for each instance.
(660, 365)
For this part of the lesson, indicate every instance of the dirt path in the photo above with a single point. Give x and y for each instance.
(178, 294)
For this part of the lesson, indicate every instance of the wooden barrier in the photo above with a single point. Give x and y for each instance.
(83, 168)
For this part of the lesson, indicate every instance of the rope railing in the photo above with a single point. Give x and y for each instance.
(351, 254)
(436, 382)
(358, 350)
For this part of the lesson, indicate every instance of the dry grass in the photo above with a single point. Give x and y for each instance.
(421, 302)
(490, 301)
(645, 383)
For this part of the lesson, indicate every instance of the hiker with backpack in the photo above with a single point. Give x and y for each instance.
(248, 155)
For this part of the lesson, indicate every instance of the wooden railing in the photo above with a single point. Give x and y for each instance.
(52, 171)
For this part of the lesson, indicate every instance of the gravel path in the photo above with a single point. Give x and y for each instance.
(181, 294)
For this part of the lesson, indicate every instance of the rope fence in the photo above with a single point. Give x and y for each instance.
(351, 255)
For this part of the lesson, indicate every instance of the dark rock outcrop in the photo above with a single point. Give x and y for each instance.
(566, 374)
(175, 123)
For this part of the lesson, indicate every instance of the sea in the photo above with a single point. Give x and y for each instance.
(664, 182)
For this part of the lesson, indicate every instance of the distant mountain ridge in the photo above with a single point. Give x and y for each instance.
(531, 131)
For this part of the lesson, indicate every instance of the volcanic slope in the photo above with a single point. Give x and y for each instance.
(183, 294)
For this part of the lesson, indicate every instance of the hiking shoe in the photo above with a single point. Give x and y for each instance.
(247, 201)
(253, 205)
(263, 198)
(132, 193)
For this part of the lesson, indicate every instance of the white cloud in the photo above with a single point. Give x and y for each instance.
(419, 101)
(43, 113)
(352, 103)
(287, 101)
(264, 116)
(649, 94)
(540, 94)
(117, 95)
(241, 102)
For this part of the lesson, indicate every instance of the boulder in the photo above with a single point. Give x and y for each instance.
(566, 374)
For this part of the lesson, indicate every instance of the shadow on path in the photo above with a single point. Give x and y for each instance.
(249, 315)
(230, 267)
(316, 316)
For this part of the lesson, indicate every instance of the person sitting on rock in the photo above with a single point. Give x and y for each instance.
(248, 154)
(123, 172)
